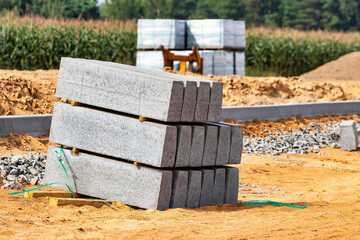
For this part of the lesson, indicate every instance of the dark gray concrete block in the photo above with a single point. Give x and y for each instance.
(194, 189)
(197, 146)
(210, 148)
(189, 102)
(223, 145)
(111, 179)
(215, 105)
(183, 146)
(120, 89)
(202, 103)
(349, 139)
(207, 187)
(114, 135)
(236, 145)
(231, 185)
(219, 186)
(179, 189)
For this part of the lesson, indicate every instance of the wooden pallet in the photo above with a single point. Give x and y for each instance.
(61, 198)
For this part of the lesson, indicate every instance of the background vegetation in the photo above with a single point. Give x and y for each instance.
(303, 15)
(37, 33)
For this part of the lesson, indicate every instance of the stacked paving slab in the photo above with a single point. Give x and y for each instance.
(221, 43)
(146, 138)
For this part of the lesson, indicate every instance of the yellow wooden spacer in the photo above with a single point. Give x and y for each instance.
(75, 150)
(74, 103)
(137, 164)
(142, 119)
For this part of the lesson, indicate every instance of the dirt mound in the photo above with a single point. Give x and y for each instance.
(240, 91)
(345, 68)
(21, 96)
(22, 144)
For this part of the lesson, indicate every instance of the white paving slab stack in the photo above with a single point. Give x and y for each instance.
(349, 139)
(210, 33)
(178, 157)
(155, 32)
(223, 63)
(239, 58)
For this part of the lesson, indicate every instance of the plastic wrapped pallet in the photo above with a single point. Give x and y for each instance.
(223, 64)
(208, 60)
(210, 33)
(239, 33)
(239, 58)
(150, 59)
(155, 32)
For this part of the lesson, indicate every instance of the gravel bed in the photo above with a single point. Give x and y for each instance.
(307, 140)
(21, 170)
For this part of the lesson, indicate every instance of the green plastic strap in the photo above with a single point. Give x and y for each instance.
(62, 164)
(259, 203)
(33, 189)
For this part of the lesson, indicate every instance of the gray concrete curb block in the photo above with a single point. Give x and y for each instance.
(35, 125)
(283, 111)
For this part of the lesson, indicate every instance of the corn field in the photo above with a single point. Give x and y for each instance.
(33, 47)
(288, 57)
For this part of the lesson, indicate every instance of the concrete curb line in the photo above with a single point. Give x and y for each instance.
(37, 125)
(283, 111)
(34, 125)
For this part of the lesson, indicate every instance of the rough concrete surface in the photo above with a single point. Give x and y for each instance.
(349, 139)
(210, 148)
(207, 187)
(197, 146)
(206, 102)
(236, 145)
(194, 189)
(231, 185)
(179, 188)
(114, 135)
(189, 102)
(118, 88)
(111, 179)
(219, 186)
(183, 146)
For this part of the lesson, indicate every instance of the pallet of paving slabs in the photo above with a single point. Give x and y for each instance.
(132, 90)
(152, 33)
(199, 104)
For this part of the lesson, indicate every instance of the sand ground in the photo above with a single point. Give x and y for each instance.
(329, 183)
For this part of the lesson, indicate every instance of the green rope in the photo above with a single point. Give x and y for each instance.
(33, 189)
(260, 203)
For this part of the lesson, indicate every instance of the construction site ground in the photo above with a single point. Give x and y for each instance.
(328, 182)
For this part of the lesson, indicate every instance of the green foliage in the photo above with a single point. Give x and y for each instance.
(289, 57)
(82, 9)
(30, 47)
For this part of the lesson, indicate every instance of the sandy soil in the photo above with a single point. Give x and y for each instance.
(33, 92)
(330, 183)
(345, 68)
(27, 92)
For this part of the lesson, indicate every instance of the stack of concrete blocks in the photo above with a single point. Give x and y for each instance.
(221, 43)
(177, 157)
